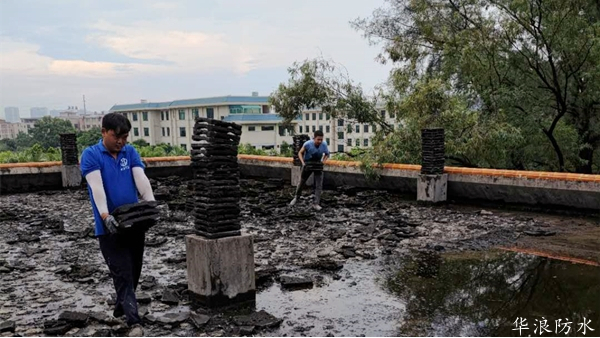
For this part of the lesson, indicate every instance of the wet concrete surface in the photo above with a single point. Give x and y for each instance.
(50, 262)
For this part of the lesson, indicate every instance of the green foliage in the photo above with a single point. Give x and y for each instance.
(8, 145)
(88, 138)
(36, 153)
(140, 143)
(248, 149)
(533, 64)
(321, 84)
(286, 150)
(46, 131)
(23, 140)
(160, 150)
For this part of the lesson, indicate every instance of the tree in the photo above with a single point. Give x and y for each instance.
(88, 138)
(320, 83)
(23, 140)
(535, 62)
(286, 149)
(8, 145)
(140, 143)
(46, 131)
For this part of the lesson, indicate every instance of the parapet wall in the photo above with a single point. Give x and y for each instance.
(505, 186)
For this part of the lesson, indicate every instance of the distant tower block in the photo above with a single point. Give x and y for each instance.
(220, 260)
(432, 185)
(71, 175)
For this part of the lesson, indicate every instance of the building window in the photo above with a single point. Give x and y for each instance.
(145, 116)
(300, 129)
(366, 128)
(162, 115)
(267, 128)
(307, 117)
(136, 132)
(182, 114)
(357, 128)
(146, 131)
(366, 142)
(251, 128)
(327, 116)
(181, 131)
(163, 132)
(340, 122)
(327, 129)
(167, 115)
(349, 142)
(340, 148)
(210, 113)
(195, 113)
(374, 128)
(314, 128)
(358, 142)
(134, 116)
(314, 116)
(321, 128)
(183, 146)
(168, 131)
(320, 116)
(383, 114)
(327, 140)
(340, 135)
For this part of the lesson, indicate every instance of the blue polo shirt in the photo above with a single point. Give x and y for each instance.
(313, 153)
(117, 177)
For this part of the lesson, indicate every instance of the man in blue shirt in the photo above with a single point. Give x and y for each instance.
(115, 173)
(312, 155)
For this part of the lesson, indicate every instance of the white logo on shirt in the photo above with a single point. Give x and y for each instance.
(124, 165)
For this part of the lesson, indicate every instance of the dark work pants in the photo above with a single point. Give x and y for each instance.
(124, 254)
(318, 186)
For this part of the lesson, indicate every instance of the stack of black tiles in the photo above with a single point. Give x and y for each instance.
(68, 147)
(137, 216)
(216, 186)
(299, 141)
(432, 141)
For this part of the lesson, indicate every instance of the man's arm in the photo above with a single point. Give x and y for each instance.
(142, 184)
(301, 154)
(94, 180)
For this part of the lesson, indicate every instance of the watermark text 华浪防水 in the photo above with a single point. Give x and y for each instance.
(543, 326)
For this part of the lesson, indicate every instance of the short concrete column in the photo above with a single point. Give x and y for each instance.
(71, 175)
(220, 260)
(432, 185)
(221, 271)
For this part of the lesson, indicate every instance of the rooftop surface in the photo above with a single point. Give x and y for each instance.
(219, 100)
(50, 262)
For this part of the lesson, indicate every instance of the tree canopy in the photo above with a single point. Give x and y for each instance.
(46, 131)
(515, 83)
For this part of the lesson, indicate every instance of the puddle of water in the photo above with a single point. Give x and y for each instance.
(483, 294)
(352, 306)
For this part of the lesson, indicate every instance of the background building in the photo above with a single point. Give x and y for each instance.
(172, 122)
(11, 114)
(8, 130)
(37, 112)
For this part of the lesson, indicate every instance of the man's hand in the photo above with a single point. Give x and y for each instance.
(110, 223)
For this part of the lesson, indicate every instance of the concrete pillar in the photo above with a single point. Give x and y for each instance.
(71, 175)
(432, 185)
(220, 260)
(432, 188)
(221, 271)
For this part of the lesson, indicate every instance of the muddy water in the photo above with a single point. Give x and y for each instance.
(484, 293)
(354, 305)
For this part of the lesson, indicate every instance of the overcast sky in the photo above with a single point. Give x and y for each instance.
(121, 51)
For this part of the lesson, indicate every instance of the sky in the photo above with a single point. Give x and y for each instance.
(121, 51)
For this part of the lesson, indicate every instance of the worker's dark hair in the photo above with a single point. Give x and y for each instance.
(319, 133)
(117, 123)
